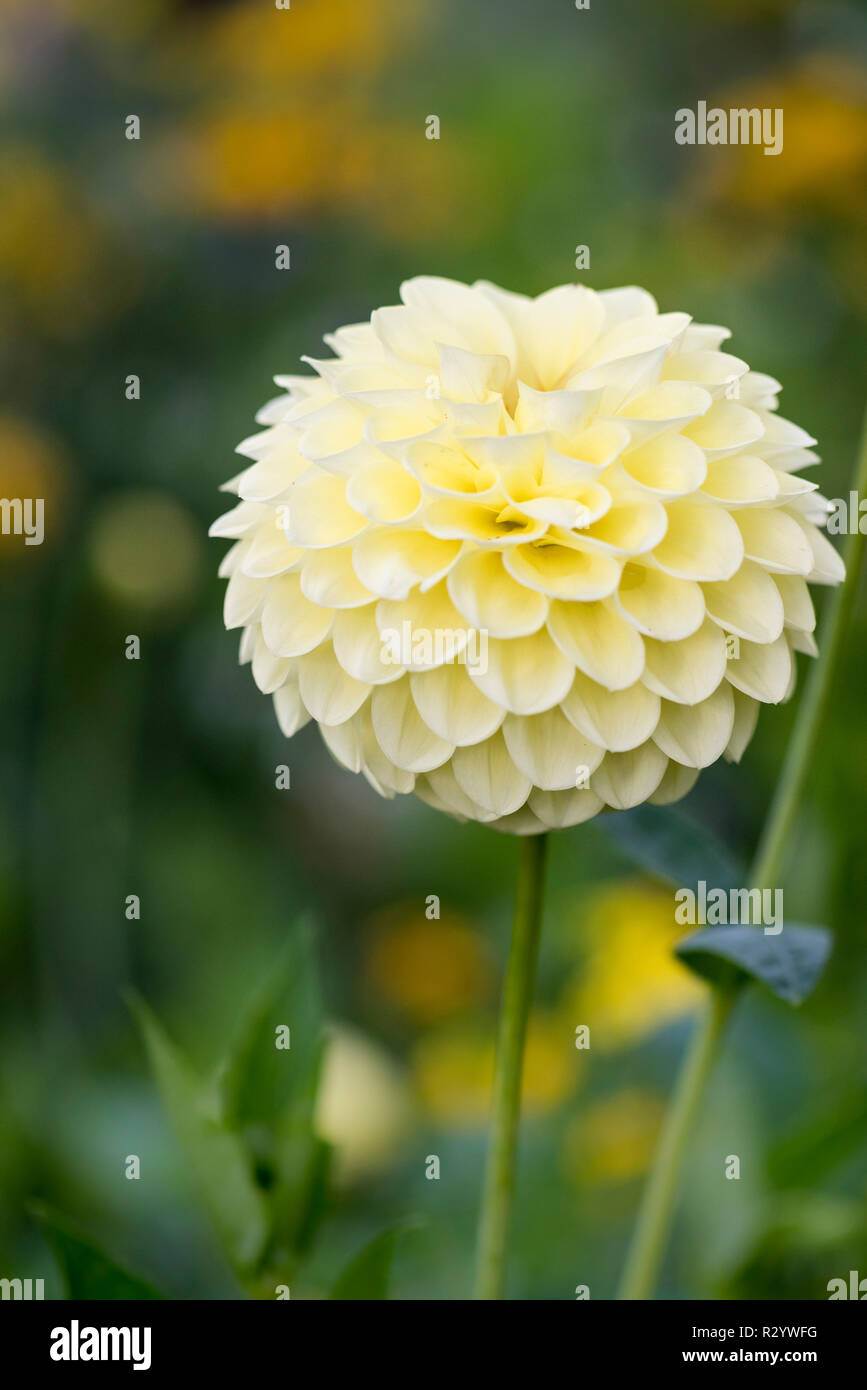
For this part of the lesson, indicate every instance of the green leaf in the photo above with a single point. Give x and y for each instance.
(830, 1137)
(314, 1205)
(261, 1083)
(218, 1161)
(672, 846)
(88, 1273)
(807, 1237)
(788, 963)
(367, 1275)
(268, 1093)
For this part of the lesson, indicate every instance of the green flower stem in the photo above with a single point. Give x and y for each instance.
(648, 1242)
(657, 1205)
(499, 1181)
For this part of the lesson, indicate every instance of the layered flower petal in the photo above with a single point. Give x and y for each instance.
(527, 557)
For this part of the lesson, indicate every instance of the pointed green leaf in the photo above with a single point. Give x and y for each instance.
(814, 1149)
(313, 1207)
(260, 1083)
(217, 1159)
(268, 1092)
(88, 1273)
(367, 1275)
(789, 963)
(670, 845)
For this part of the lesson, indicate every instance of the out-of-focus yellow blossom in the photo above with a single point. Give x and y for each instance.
(55, 265)
(427, 969)
(145, 551)
(631, 983)
(551, 1063)
(454, 1070)
(364, 1106)
(257, 43)
(285, 122)
(613, 1140)
(43, 243)
(245, 162)
(823, 163)
(33, 467)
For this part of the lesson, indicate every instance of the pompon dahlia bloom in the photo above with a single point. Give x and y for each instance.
(529, 558)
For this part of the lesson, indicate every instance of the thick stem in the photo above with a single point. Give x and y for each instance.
(657, 1205)
(499, 1182)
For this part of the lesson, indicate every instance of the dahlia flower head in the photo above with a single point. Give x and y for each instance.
(530, 558)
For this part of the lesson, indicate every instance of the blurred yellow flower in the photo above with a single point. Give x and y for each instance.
(454, 1070)
(363, 1106)
(145, 551)
(244, 162)
(33, 467)
(824, 159)
(630, 983)
(258, 44)
(56, 269)
(427, 969)
(613, 1140)
(285, 121)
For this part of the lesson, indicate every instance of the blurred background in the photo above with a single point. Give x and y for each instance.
(155, 257)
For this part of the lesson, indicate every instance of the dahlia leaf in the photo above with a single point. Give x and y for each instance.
(269, 1077)
(809, 1153)
(88, 1272)
(267, 1086)
(368, 1273)
(219, 1162)
(314, 1204)
(789, 963)
(672, 846)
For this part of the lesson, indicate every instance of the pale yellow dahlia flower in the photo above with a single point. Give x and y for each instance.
(529, 558)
